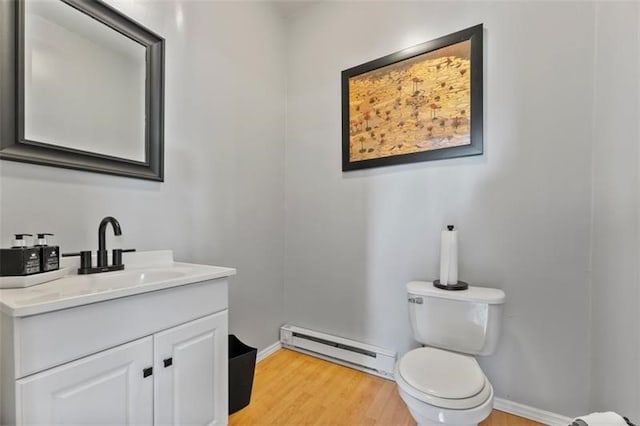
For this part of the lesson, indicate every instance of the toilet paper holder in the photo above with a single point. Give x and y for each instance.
(460, 285)
(449, 261)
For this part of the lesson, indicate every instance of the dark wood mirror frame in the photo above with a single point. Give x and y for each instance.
(13, 145)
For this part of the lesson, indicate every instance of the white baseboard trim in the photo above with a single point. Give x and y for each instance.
(267, 351)
(531, 413)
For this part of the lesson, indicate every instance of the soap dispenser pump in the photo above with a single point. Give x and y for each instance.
(19, 241)
(19, 259)
(49, 255)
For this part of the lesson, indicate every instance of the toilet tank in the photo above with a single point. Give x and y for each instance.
(467, 321)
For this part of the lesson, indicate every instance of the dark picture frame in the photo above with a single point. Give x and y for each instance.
(391, 105)
(13, 144)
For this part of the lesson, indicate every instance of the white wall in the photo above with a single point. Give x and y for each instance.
(221, 202)
(615, 348)
(354, 239)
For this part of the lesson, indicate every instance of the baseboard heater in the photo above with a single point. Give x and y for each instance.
(368, 358)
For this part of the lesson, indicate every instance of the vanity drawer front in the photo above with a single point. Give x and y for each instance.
(44, 341)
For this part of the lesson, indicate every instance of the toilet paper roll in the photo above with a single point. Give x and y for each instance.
(449, 256)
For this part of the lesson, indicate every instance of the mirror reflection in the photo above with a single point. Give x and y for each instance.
(84, 83)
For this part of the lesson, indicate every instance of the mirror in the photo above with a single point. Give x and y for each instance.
(82, 88)
(57, 86)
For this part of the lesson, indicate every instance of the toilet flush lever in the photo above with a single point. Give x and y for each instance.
(416, 300)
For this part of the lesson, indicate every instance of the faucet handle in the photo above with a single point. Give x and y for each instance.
(116, 257)
(85, 259)
(71, 254)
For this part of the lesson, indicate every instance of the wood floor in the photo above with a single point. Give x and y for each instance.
(291, 388)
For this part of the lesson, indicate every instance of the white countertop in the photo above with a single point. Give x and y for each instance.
(144, 272)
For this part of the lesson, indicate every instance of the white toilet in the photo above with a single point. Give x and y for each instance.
(442, 383)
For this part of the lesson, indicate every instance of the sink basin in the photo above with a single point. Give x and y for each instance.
(132, 278)
(150, 273)
(83, 285)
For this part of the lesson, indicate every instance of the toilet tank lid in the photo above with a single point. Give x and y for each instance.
(491, 296)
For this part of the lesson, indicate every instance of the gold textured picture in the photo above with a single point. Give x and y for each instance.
(415, 103)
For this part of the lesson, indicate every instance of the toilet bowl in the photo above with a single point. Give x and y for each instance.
(442, 383)
(443, 388)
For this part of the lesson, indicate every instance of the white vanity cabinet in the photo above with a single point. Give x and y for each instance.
(177, 376)
(152, 357)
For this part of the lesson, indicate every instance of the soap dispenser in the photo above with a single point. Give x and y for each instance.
(19, 259)
(49, 255)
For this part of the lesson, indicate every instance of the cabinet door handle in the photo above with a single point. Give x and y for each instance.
(168, 362)
(147, 372)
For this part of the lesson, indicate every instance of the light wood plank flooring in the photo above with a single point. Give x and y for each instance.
(291, 388)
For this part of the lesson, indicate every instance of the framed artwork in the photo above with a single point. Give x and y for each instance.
(419, 104)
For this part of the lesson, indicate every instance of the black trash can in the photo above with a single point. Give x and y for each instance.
(242, 364)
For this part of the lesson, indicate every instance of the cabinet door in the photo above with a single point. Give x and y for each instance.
(105, 388)
(191, 363)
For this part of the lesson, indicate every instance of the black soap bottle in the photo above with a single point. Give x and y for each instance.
(49, 255)
(19, 259)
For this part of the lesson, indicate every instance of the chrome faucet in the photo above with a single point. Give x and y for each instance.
(102, 249)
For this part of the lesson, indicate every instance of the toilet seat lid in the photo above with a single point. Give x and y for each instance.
(441, 373)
